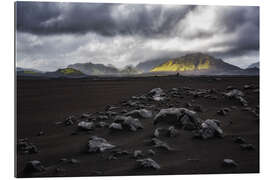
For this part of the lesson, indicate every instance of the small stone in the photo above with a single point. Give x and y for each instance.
(64, 160)
(247, 147)
(34, 166)
(84, 125)
(240, 140)
(229, 163)
(137, 154)
(98, 144)
(74, 161)
(41, 133)
(116, 126)
(160, 144)
(151, 152)
(85, 115)
(148, 163)
(112, 157)
(172, 132)
(222, 112)
(141, 113)
(156, 132)
(59, 170)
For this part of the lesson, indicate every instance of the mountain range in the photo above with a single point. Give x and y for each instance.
(254, 65)
(190, 64)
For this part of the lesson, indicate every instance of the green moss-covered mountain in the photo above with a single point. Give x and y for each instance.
(196, 64)
(94, 69)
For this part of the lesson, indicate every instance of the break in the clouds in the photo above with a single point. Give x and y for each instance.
(54, 35)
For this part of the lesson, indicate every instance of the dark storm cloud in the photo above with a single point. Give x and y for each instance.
(244, 21)
(53, 35)
(106, 19)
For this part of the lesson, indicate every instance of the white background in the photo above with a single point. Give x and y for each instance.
(7, 89)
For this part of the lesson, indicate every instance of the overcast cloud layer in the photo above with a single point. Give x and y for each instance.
(54, 35)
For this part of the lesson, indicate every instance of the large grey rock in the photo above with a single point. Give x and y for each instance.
(237, 94)
(116, 126)
(179, 116)
(157, 94)
(98, 144)
(148, 163)
(141, 113)
(170, 115)
(131, 123)
(84, 125)
(209, 129)
(234, 93)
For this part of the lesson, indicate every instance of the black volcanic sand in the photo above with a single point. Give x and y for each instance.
(41, 103)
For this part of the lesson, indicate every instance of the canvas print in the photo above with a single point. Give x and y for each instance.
(107, 89)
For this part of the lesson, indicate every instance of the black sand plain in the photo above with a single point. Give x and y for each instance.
(42, 103)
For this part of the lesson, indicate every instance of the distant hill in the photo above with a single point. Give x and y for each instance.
(28, 72)
(94, 69)
(254, 65)
(65, 72)
(146, 66)
(129, 70)
(199, 64)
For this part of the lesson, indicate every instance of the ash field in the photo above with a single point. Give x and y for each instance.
(137, 126)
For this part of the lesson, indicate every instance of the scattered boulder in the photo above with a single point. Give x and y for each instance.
(70, 120)
(188, 105)
(234, 93)
(137, 154)
(116, 126)
(102, 124)
(160, 144)
(209, 129)
(223, 111)
(123, 152)
(84, 125)
(112, 157)
(229, 163)
(40, 133)
(102, 118)
(131, 123)
(26, 147)
(240, 140)
(247, 147)
(178, 116)
(74, 161)
(172, 132)
(237, 94)
(98, 144)
(230, 88)
(156, 132)
(148, 163)
(151, 152)
(248, 86)
(34, 166)
(86, 115)
(141, 113)
(157, 94)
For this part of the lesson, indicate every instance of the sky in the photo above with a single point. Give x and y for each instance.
(53, 35)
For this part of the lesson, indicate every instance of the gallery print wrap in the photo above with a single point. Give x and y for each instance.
(107, 89)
